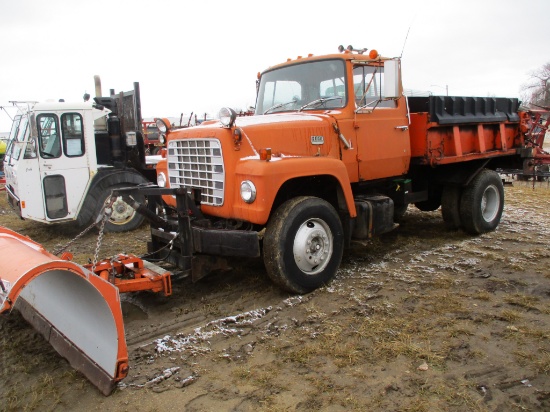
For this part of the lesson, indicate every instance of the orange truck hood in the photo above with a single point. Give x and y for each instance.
(290, 134)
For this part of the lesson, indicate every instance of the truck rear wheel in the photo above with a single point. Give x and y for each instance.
(482, 203)
(450, 206)
(303, 244)
(123, 217)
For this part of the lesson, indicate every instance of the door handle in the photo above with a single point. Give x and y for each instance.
(402, 128)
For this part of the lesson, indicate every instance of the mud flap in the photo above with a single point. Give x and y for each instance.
(78, 312)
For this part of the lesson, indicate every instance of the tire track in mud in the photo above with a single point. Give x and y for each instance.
(194, 305)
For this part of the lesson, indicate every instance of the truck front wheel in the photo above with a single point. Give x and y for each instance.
(482, 203)
(303, 244)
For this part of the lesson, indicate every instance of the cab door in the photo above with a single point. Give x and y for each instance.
(63, 164)
(381, 126)
(23, 181)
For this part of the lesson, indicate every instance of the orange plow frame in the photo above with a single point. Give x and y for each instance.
(76, 310)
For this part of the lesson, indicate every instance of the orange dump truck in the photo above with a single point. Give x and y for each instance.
(334, 152)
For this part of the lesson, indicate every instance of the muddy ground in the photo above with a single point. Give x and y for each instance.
(420, 319)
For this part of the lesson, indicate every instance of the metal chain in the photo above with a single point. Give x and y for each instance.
(107, 211)
(70, 242)
(107, 215)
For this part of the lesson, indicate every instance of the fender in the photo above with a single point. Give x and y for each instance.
(269, 176)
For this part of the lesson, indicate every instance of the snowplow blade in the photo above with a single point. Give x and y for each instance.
(77, 312)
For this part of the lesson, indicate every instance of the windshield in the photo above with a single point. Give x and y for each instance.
(18, 135)
(304, 86)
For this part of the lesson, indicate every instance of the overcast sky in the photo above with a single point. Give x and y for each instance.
(197, 56)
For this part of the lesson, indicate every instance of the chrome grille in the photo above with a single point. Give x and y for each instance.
(198, 164)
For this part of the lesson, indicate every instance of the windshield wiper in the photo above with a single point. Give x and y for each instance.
(279, 105)
(322, 100)
(375, 102)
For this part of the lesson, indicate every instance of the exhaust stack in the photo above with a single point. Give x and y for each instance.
(100, 123)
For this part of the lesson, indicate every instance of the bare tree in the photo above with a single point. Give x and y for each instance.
(537, 90)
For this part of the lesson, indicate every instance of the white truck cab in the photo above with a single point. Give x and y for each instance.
(64, 159)
(48, 165)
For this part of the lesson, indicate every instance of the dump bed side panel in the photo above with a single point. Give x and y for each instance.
(448, 129)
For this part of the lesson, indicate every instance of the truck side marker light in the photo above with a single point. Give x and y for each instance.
(237, 138)
(265, 154)
(23, 205)
(373, 54)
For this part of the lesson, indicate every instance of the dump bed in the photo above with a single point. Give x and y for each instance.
(450, 129)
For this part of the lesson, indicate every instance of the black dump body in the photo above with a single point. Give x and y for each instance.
(460, 109)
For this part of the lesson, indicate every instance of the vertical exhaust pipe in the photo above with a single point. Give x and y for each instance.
(100, 123)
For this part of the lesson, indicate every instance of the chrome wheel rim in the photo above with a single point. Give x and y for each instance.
(313, 246)
(490, 203)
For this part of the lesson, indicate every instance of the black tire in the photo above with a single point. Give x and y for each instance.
(482, 203)
(288, 259)
(450, 206)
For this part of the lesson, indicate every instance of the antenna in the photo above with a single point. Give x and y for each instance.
(405, 42)
(407, 36)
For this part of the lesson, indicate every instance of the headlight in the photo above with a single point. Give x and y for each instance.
(163, 125)
(161, 180)
(248, 191)
(161, 138)
(227, 116)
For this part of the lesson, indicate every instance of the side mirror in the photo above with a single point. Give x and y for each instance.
(391, 79)
(30, 149)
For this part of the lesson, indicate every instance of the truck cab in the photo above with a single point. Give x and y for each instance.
(48, 171)
(64, 159)
(362, 93)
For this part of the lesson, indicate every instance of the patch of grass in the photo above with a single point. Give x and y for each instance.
(539, 361)
(241, 372)
(42, 395)
(442, 282)
(542, 362)
(482, 295)
(523, 301)
(458, 394)
(302, 354)
(459, 330)
(510, 316)
(541, 335)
